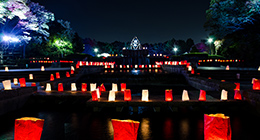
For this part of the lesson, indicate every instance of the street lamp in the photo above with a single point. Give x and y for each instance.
(210, 41)
(95, 50)
(175, 50)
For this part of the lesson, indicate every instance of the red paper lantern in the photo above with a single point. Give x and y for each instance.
(71, 71)
(28, 128)
(102, 88)
(77, 66)
(127, 95)
(22, 82)
(125, 129)
(52, 77)
(83, 87)
(123, 86)
(237, 86)
(202, 95)
(94, 95)
(192, 71)
(67, 74)
(57, 75)
(217, 127)
(60, 87)
(33, 84)
(168, 95)
(237, 95)
(256, 84)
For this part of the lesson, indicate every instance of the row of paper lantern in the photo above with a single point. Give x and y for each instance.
(219, 60)
(86, 63)
(22, 81)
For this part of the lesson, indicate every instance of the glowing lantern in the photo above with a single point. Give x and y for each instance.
(28, 128)
(111, 96)
(224, 94)
(72, 68)
(185, 96)
(60, 87)
(217, 127)
(237, 86)
(168, 95)
(6, 69)
(31, 76)
(189, 68)
(123, 86)
(73, 87)
(77, 66)
(15, 81)
(127, 95)
(256, 84)
(22, 82)
(145, 95)
(253, 79)
(202, 95)
(98, 92)
(94, 95)
(67, 74)
(48, 87)
(33, 84)
(102, 88)
(237, 95)
(259, 68)
(7, 84)
(114, 87)
(125, 129)
(52, 77)
(93, 86)
(71, 71)
(42, 68)
(227, 68)
(84, 87)
(57, 75)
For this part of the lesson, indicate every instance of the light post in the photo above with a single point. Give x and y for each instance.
(210, 41)
(175, 50)
(8, 40)
(96, 50)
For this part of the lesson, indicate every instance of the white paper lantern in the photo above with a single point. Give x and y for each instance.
(93, 86)
(98, 93)
(72, 68)
(111, 96)
(6, 69)
(136, 66)
(7, 84)
(114, 87)
(227, 68)
(73, 87)
(259, 68)
(189, 68)
(185, 95)
(15, 81)
(48, 87)
(145, 95)
(42, 68)
(31, 76)
(224, 95)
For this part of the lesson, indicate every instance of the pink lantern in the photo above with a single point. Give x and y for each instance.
(127, 95)
(237, 95)
(168, 95)
(237, 86)
(202, 95)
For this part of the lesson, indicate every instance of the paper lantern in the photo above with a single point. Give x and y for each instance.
(28, 128)
(125, 129)
(15, 81)
(192, 71)
(217, 127)
(57, 75)
(224, 94)
(84, 87)
(259, 68)
(77, 66)
(227, 68)
(22, 82)
(189, 68)
(48, 87)
(6, 69)
(114, 87)
(237, 95)
(93, 86)
(7, 84)
(42, 68)
(31, 76)
(102, 88)
(168, 95)
(60, 87)
(111, 96)
(33, 84)
(73, 87)
(256, 84)
(71, 71)
(98, 92)
(202, 95)
(72, 68)
(237, 86)
(145, 95)
(185, 95)
(67, 74)
(123, 86)
(52, 77)
(127, 95)
(94, 95)
(253, 79)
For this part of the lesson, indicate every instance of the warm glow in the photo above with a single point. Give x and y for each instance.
(224, 95)
(31, 76)
(48, 87)
(202, 95)
(189, 68)
(227, 68)
(84, 87)
(237, 86)
(168, 95)
(259, 68)
(52, 77)
(15, 81)
(93, 86)
(57, 75)
(22, 82)
(33, 84)
(42, 68)
(94, 95)
(72, 68)
(98, 92)
(67, 74)
(60, 87)
(7, 84)
(256, 84)
(6, 69)
(127, 95)
(114, 87)
(125, 129)
(237, 95)
(111, 96)
(73, 87)
(123, 86)
(185, 95)
(102, 88)
(145, 95)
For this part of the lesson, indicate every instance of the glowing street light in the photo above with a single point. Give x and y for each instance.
(95, 50)
(210, 40)
(10, 39)
(175, 50)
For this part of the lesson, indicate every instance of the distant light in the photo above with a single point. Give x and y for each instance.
(11, 39)
(95, 50)
(210, 40)
(6, 38)
(175, 49)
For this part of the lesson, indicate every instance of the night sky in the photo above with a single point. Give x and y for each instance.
(150, 20)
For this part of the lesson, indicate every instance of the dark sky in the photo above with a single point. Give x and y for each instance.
(150, 20)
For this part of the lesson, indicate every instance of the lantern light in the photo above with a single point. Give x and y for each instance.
(60, 87)
(15, 81)
(31, 76)
(145, 95)
(127, 95)
(84, 87)
(71, 71)
(259, 68)
(114, 87)
(28, 128)
(256, 84)
(237, 95)
(72, 68)
(48, 87)
(73, 87)
(98, 92)
(125, 129)
(237, 86)
(57, 75)
(6, 69)
(185, 95)
(67, 74)
(202, 95)
(227, 68)
(123, 86)
(102, 88)
(168, 95)
(22, 82)
(111, 96)
(224, 95)
(42, 68)
(94, 95)
(93, 86)
(7, 84)
(33, 84)
(189, 68)
(52, 77)
(192, 71)
(253, 79)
